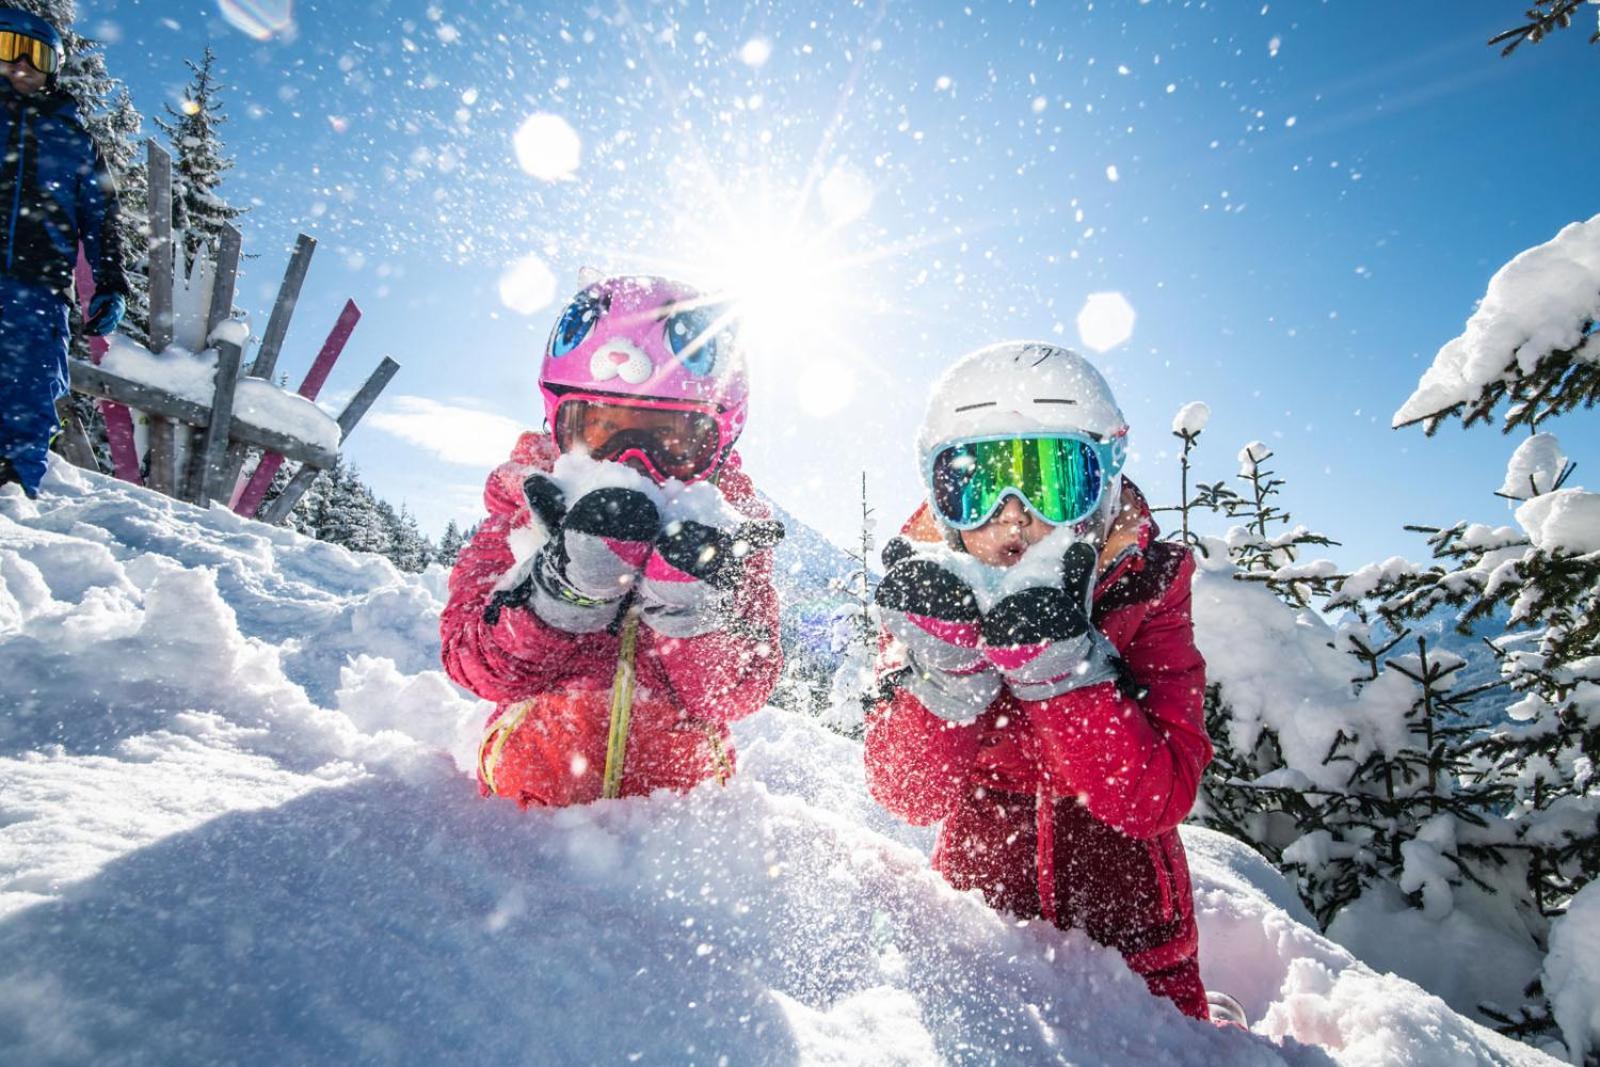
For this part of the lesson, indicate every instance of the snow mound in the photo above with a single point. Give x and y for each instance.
(235, 825)
(1572, 973)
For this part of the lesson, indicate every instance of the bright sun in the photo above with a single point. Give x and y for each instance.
(800, 297)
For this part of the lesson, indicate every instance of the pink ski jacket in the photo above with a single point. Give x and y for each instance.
(1068, 808)
(545, 742)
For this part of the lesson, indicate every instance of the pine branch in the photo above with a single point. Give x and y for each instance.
(1544, 18)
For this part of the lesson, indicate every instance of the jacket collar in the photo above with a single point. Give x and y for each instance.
(46, 101)
(1129, 537)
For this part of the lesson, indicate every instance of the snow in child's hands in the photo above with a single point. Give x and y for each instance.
(1039, 566)
(578, 474)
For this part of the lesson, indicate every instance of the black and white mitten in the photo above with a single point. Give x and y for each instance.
(1041, 639)
(934, 614)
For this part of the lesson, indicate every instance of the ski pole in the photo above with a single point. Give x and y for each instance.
(622, 686)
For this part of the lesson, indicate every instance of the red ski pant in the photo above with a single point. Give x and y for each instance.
(1102, 882)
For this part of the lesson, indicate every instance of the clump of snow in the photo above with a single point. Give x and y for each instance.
(237, 813)
(192, 376)
(1538, 303)
(1534, 467)
(701, 501)
(1367, 579)
(1566, 521)
(1276, 666)
(1572, 974)
(1251, 456)
(1039, 566)
(1192, 418)
(231, 331)
(177, 370)
(261, 403)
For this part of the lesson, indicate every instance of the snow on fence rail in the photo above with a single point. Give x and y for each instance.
(203, 410)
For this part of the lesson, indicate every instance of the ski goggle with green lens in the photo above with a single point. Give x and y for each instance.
(1060, 477)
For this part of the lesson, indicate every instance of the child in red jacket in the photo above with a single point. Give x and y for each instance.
(622, 577)
(1046, 691)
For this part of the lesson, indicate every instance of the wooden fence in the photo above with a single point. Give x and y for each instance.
(217, 443)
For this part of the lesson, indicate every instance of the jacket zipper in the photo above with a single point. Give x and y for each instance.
(16, 196)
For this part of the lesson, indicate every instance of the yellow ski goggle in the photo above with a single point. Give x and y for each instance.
(16, 46)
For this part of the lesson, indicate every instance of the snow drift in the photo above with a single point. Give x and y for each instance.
(235, 826)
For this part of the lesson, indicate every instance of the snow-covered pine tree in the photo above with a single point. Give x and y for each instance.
(199, 161)
(450, 544)
(1530, 353)
(1416, 810)
(409, 550)
(1187, 426)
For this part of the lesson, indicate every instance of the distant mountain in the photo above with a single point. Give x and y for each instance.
(804, 563)
(1439, 627)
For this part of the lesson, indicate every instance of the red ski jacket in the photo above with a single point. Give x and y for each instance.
(545, 743)
(1068, 808)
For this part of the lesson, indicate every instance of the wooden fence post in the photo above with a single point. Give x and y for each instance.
(283, 308)
(208, 470)
(161, 452)
(208, 449)
(266, 360)
(159, 169)
(226, 281)
(357, 407)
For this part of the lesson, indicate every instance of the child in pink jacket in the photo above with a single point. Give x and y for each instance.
(1045, 692)
(625, 553)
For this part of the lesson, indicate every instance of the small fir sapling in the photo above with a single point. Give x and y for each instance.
(854, 634)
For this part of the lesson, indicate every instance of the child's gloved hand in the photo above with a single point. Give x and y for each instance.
(1042, 640)
(105, 314)
(592, 559)
(934, 614)
(693, 569)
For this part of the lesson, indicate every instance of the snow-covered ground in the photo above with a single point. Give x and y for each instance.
(235, 826)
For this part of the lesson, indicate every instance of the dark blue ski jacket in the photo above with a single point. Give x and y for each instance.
(55, 191)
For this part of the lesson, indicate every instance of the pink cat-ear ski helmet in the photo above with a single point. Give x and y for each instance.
(653, 342)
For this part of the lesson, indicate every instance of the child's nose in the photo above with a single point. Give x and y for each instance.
(1013, 512)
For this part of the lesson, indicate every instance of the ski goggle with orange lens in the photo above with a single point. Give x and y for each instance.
(1058, 477)
(668, 440)
(15, 46)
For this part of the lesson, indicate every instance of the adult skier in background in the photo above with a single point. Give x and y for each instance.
(56, 193)
(1043, 689)
(625, 554)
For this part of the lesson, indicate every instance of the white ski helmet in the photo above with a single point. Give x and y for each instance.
(1018, 387)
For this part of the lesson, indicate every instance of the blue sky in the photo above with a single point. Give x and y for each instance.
(1301, 202)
